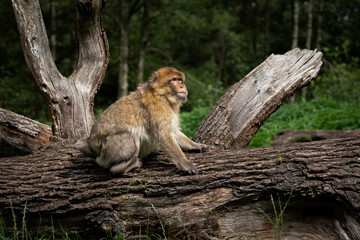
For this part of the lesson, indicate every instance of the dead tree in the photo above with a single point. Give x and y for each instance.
(69, 99)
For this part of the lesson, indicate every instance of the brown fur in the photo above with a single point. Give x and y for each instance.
(143, 122)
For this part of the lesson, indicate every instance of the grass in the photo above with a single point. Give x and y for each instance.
(278, 220)
(319, 113)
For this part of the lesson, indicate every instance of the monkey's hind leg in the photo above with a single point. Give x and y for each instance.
(120, 152)
(127, 166)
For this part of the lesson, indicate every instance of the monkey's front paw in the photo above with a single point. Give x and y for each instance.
(204, 147)
(193, 171)
(190, 169)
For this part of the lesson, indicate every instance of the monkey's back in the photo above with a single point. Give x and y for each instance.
(131, 114)
(117, 118)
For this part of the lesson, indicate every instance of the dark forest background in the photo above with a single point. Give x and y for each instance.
(216, 43)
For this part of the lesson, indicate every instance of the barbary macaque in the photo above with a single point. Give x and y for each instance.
(146, 121)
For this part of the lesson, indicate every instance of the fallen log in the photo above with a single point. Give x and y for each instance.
(295, 136)
(231, 197)
(20, 135)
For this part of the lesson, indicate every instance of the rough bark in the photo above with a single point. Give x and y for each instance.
(238, 115)
(69, 99)
(20, 135)
(230, 198)
(295, 136)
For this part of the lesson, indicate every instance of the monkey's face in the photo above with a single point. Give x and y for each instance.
(178, 88)
(170, 82)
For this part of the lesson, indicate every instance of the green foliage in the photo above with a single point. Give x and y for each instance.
(320, 113)
(191, 120)
(341, 82)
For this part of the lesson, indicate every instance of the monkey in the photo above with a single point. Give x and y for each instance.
(141, 123)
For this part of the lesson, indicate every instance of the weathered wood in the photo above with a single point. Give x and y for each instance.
(61, 187)
(20, 135)
(69, 99)
(295, 136)
(238, 115)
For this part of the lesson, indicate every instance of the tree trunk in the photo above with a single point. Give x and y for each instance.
(20, 135)
(238, 115)
(267, 26)
(255, 31)
(53, 29)
(144, 41)
(124, 51)
(69, 100)
(319, 24)
(315, 183)
(295, 33)
(308, 40)
(309, 25)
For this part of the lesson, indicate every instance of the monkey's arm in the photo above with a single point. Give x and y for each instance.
(187, 144)
(170, 146)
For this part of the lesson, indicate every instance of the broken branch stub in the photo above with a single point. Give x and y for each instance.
(238, 115)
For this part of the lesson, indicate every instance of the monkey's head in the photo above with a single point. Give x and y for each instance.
(170, 83)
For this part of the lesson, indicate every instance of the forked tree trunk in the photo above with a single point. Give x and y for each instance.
(69, 99)
(238, 115)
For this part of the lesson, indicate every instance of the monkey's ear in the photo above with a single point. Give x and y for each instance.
(154, 78)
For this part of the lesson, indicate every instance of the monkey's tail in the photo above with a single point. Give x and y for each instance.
(83, 146)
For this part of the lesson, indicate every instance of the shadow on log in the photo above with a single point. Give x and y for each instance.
(230, 198)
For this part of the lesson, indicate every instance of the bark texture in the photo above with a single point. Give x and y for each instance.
(231, 198)
(69, 99)
(238, 115)
(20, 135)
